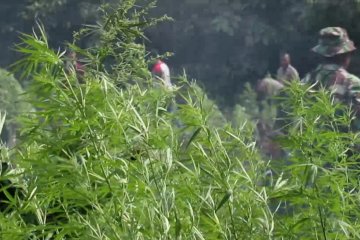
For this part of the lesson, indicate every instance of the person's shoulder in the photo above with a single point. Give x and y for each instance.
(292, 68)
(349, 76)
(294, 73)
(273, 82)
(353, 79)
(165, 68)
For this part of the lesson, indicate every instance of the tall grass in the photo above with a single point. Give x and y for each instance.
(99, 161)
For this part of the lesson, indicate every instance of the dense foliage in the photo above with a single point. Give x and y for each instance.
(12, 105)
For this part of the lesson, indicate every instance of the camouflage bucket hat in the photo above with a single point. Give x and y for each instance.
(333, 41)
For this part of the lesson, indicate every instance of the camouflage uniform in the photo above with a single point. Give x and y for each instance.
(345, 86)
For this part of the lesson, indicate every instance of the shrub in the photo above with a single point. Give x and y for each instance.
(11, 105)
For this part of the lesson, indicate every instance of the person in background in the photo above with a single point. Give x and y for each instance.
(161, 71)
(268, 87)
(73, 64)
(336, 50)
(286, 73)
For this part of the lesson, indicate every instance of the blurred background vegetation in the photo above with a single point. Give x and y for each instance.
(222, 43)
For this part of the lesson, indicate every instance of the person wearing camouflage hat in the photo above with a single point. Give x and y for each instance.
(334, 41)
(336, 49)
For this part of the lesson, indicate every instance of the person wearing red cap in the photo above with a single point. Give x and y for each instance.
(161, 72)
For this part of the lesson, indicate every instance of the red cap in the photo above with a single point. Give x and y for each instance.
(157, 67)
